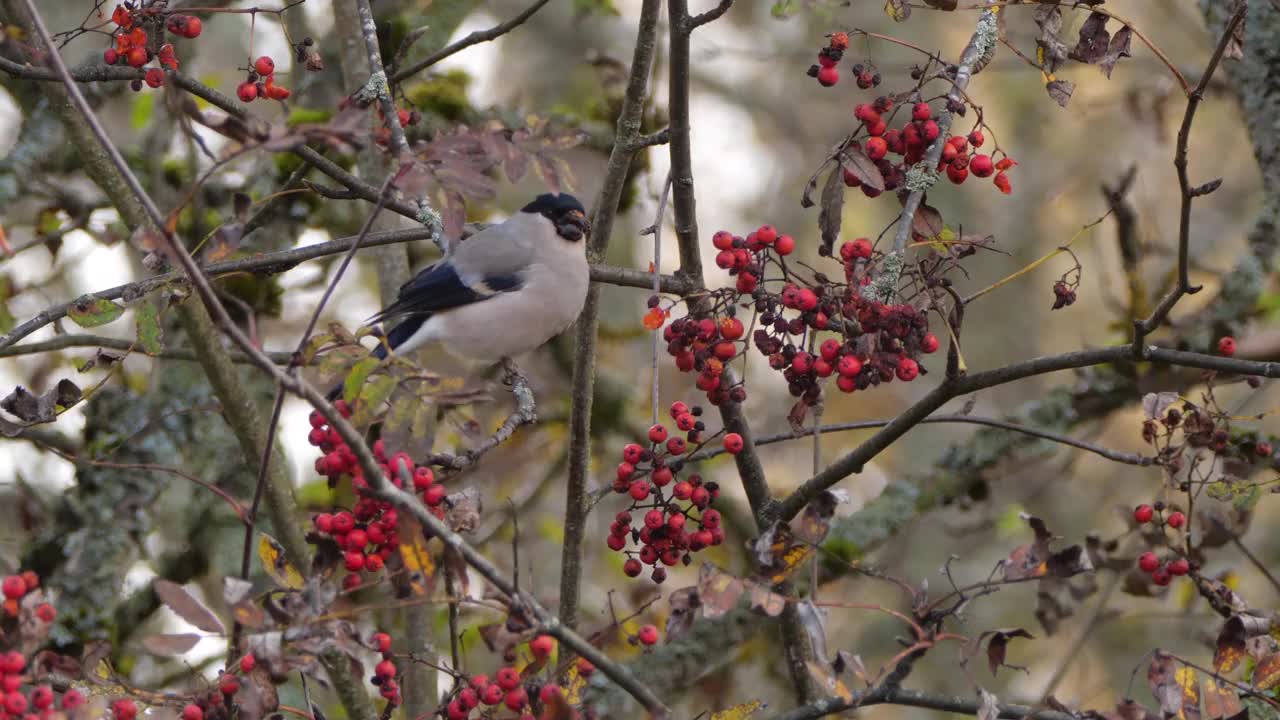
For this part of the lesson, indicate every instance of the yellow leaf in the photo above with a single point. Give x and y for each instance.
(1189, 681)
(573, 686)
(417, 558)
(276, 564)
(745, 711)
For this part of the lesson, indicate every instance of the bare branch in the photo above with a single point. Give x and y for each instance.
(474, 38)
(898, 696)
(584, 361)
(82, 340)
(1142, 328)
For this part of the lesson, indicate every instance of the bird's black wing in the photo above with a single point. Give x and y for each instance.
(440, 287)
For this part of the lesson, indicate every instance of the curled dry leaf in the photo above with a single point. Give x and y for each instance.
(684, 610)
(170, 643)
(1221, 701)
(998, 646)
(185, 606)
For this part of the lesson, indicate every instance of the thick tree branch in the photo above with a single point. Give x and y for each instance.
(853, 461)
(585, 330)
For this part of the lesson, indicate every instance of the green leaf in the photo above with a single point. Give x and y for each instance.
(372, 396)
(150, 334)
(7, 320)
(356, 377)
(300, 116)
(1248, 497)
(89, 311)
(143, 106)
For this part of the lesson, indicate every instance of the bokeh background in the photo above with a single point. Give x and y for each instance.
(760, 129)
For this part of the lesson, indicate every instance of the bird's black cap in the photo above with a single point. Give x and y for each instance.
(554, 204)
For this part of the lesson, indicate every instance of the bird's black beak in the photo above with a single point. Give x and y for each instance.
(573, 226)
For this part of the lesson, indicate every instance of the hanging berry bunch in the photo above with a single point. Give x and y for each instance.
(870, 342)
(367, 534)
(911, 140)
(24, 623)
(261, 82)
(137, 40)
(670, 517)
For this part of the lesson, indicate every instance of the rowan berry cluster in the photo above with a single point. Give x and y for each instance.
(911, 141)
(828, 74)
(368, 532)
(673, 517)
(18, 697)
(261, 81)
(510, 689)
(135, 46)
(1162, 571)
(15, 588)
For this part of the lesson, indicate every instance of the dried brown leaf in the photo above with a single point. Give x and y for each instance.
(185, 606)
(170, 643)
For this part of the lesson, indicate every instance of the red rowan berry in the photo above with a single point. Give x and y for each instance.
(479, 682)
(137, 57)
(192, 712)
(929, 344)
(517, 699)
(228, 684)
(264, 65)
(469, 698)
(828, 76)
(1161, 577)
(785, 245)
(676, 445)
(423, 477)
(45, 612)
(1179, 566)
(1148, 562)
(42, 697)
(456, 710)
(381, 642)
(733, 443)
(507, 678)
(907, 369)
(72, 699)
(658, 575)
(434, 495)
(194, 27)
(122, 709)
(353, 560)
(648, 635)
(1143, 514)
(110, 56)
(492, 695)
(876, 148)
(1176, 520)
(921, 111)
(639, 489)
(542, 646)
(957, 173)
(247, 91)
(248, 663)
(657, 434)
(616, 542)
(976, 138)
(1226, 346)
(550, 693)
(15, 703)
(981, 166)
(13, 587)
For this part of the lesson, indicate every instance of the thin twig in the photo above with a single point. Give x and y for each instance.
(655, 398)
(83, 340)
(1115, 455)
(475, 38)
(1142, 328)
